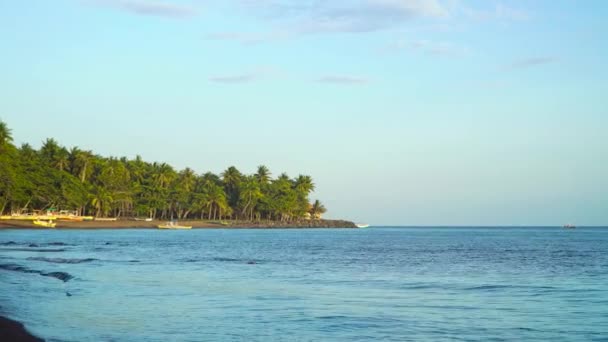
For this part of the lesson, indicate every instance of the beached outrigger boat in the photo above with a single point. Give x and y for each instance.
(105, 219)
(173, 225)
(45, 223)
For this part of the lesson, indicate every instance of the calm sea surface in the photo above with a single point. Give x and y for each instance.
(392, 284)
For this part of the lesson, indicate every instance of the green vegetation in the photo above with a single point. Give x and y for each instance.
(75, 179)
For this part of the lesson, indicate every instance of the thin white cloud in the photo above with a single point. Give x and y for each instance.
(343, 79)
(149, 8)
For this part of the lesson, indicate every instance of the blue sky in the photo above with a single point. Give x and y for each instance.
(403, 111)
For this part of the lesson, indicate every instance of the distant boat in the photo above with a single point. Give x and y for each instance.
(45, 223)
(149, 219)
(361, 225)
(173, 225)
(569, 226)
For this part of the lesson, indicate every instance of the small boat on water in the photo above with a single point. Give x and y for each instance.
(45, 223)
(569, 226)
(148, 219)
(361, 225)
(173, 225)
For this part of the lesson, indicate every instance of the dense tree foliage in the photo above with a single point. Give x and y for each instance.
(75, 179)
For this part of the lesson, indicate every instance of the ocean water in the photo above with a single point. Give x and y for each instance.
(390, 284)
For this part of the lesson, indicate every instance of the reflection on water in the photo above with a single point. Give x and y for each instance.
(379, 283)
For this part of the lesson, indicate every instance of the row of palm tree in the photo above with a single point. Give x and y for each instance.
(56, 177)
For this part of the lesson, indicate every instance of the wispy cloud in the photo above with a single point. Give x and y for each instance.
(247, 37)
(494, 12)
(149, 8)
(428, 47)
(259, 73)
(242, 78)
(345, 16)
(530, 62)
(343, 79)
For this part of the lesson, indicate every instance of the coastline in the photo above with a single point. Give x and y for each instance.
(196, 224)
(11, 330)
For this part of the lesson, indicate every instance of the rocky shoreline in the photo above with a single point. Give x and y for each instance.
(196, 224)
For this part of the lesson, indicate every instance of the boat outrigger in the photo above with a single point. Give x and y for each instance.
(173, 225)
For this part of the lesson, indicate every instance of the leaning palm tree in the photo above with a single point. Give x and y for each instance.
(250, 194)
(82, 160)
(317, 209)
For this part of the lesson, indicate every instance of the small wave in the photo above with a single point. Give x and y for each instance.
(16, 268)
(222, 259)
(63, 276)
(62, 260)
(33, 244)
(8, 243)
(526, 329)
(227, 259)
(498, 287)
(333, 317)
(33, 249)
(56, 244)
(487, 287)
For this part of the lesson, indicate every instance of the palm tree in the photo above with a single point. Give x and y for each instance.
(304, 184)
(217, 200)
(317, 209)
(163, 175)
(232, 179)
(187, 179)
(62, 160)
(101, 200)
(263, 175)
(49, 150)
(6, 136)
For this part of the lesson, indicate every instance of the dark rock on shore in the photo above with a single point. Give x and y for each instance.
(15, 332)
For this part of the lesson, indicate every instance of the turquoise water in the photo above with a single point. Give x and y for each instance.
(406, 284)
